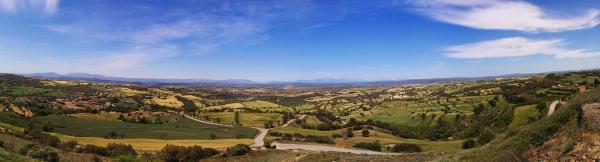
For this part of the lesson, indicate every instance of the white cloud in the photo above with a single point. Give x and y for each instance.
(516, 47)
(504, 15)
(12, 6)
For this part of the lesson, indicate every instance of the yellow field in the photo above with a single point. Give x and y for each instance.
(169, 101)
(260, 104)
(197, 101)
(99, 116)
(156, 144)
(231, 106)
(131, 92)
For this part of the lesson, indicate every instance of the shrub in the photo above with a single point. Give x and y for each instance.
(238, 150)
(129, 158)
(406, 147)
(349, 132)
(92, 149)
(172, 153)
(467, 144)
(365, 133)
(120, 149)
(212, 136)
(1, 143)
(485, 137)
(69, 145)
(269, 145)
(375, 146)
(43, 154)
(48, 127)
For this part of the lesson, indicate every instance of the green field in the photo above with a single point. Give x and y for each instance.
(522, 114)
(246, 119)
(183, 128)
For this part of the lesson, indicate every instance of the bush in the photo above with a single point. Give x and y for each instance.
(172, 153)
(349, 132)
(69, 145)
(485, 137)
(365, 133)
(375, 146)
(43, 154)
(120, 149)
(269, 145)
(129, 158)
(238, 150)
(468, 144)
(48, 127)
(92, 149)
(2, 144)
(406, 147)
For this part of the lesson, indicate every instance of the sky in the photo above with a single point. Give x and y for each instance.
(286, 40)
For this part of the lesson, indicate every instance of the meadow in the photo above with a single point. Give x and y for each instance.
(247, 119)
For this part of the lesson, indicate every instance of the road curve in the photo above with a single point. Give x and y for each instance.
(259, 140)
(282, 146)
(552, 107)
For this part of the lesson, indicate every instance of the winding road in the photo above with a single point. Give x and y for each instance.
(552, 107)
(259, 140)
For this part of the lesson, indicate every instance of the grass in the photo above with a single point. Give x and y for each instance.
(305, 132)
(183, 128)
(522, 114)
(385, 139)
(247, 119)
(156, 144)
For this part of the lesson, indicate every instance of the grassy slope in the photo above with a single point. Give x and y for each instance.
(522, 114)
(510, 145)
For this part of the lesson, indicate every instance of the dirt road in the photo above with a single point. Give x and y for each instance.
(552, 107)
(285, 146)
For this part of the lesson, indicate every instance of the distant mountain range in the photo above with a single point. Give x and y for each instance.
(244, 82)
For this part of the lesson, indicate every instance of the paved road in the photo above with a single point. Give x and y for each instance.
(286, 146)
(552, 107)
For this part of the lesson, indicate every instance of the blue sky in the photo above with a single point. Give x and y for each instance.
(298, 39)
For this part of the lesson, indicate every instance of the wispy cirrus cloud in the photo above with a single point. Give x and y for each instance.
(517, 47)
(13, 6)
(504, 15)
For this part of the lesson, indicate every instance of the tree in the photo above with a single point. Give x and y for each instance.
(48, 127)
(285, 117)
(540, 106)
(238, 150)
(349, 132)
(237, 118)
(596, 81)
(492, 103)
(479, 109)
(467, 144)
(212, 136)
(365, 133)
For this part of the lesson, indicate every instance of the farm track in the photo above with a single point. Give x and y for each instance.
(552, 107)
